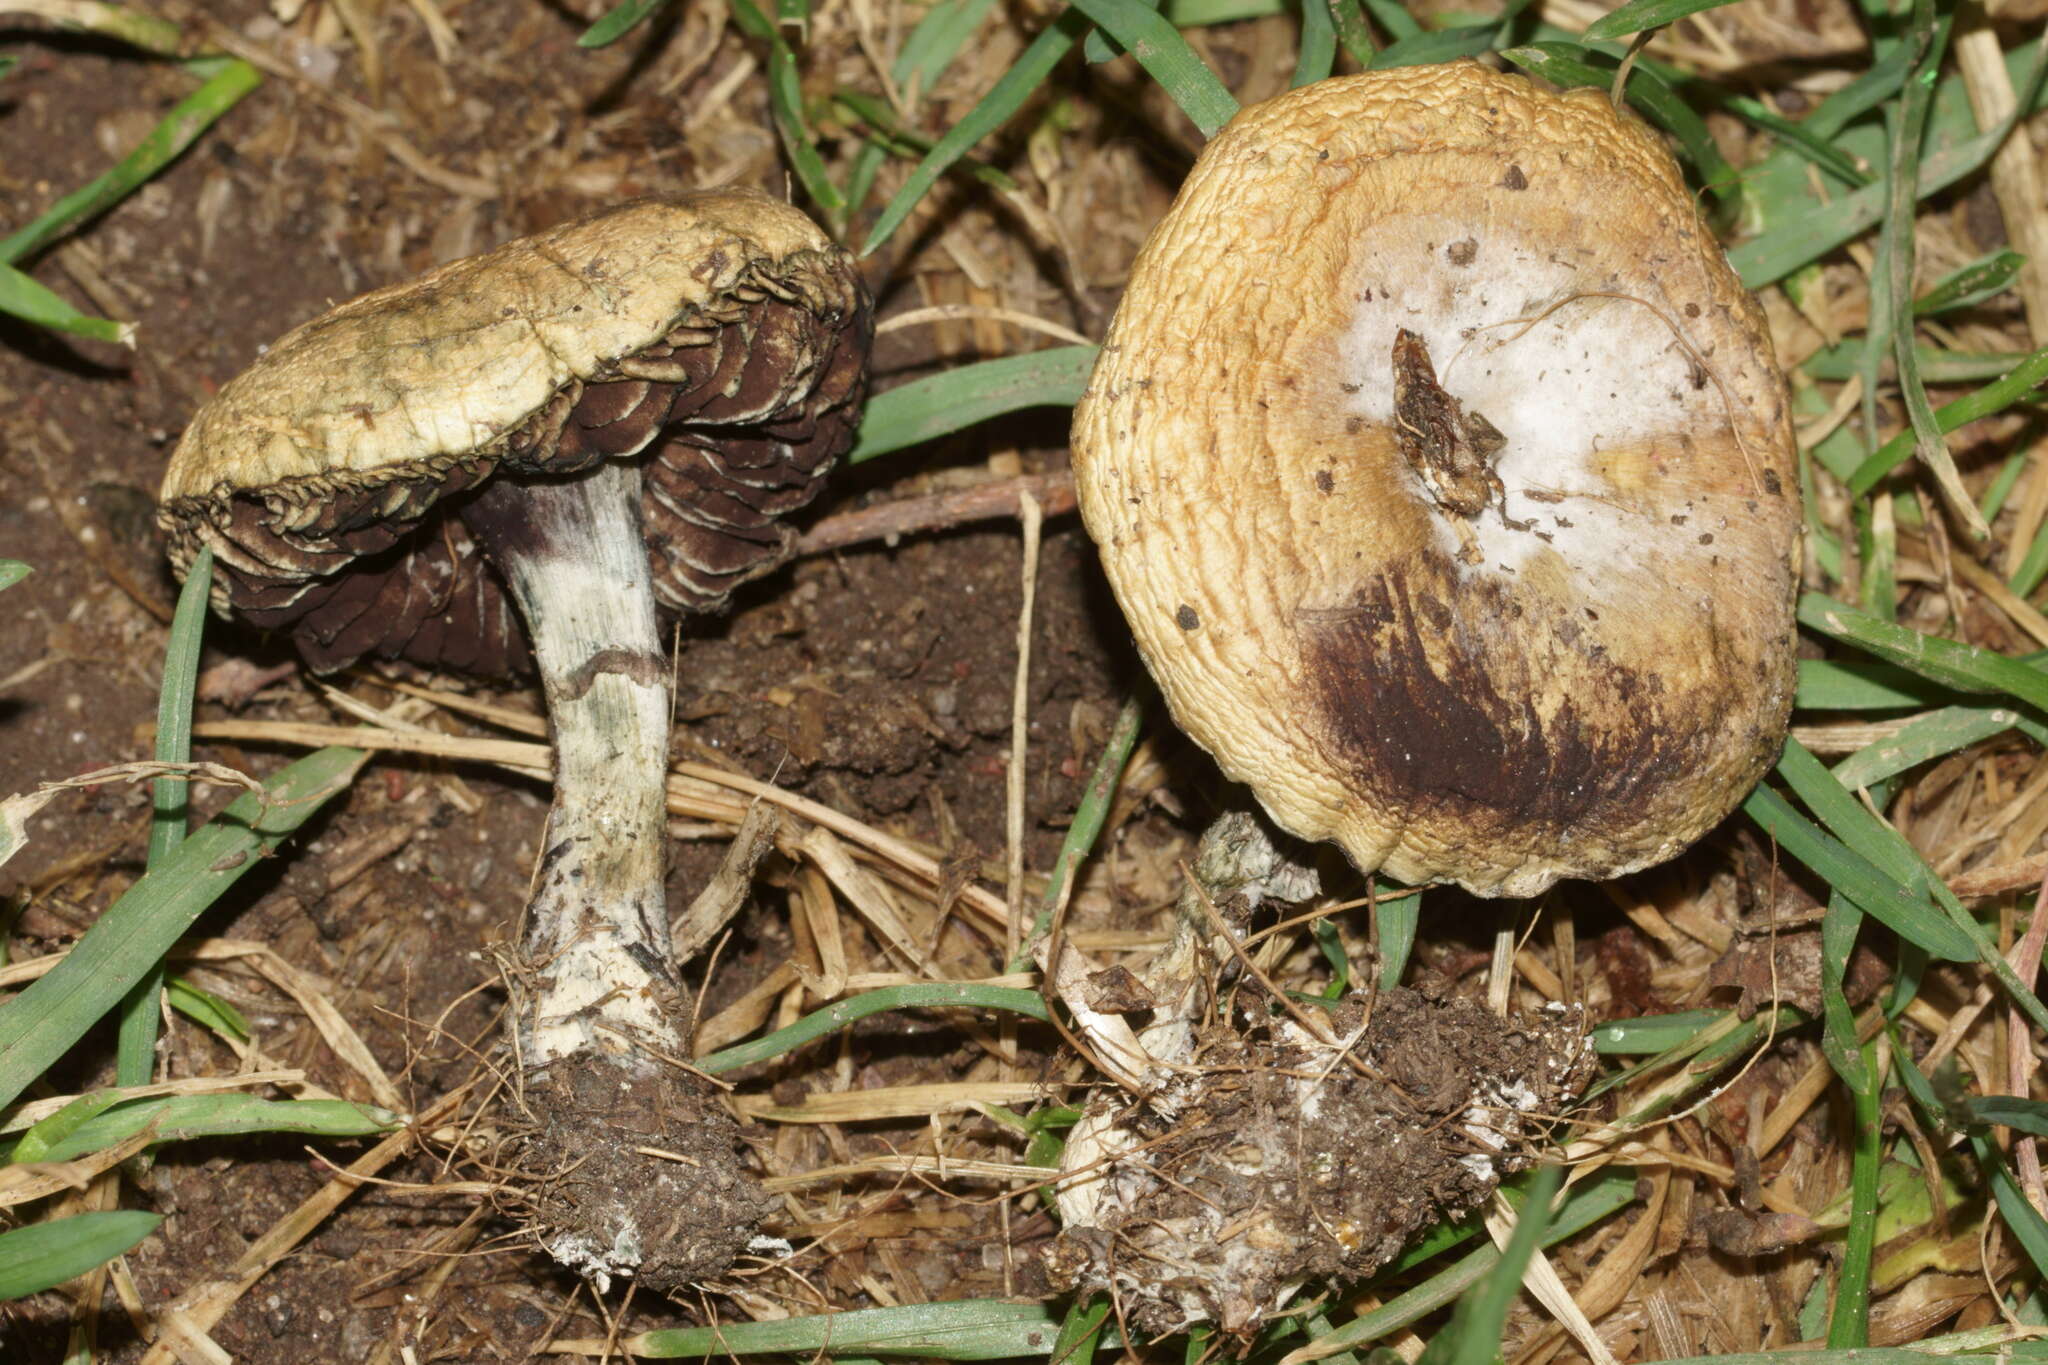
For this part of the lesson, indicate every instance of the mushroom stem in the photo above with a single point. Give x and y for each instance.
(597, 929)
(601, 1032)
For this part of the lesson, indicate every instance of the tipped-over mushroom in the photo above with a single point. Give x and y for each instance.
(1441, 467)
(595, 423)
(1443, 471)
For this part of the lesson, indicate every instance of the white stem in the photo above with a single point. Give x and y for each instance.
(597, 927)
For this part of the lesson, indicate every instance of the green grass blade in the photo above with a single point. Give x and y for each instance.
(206, 1009)
(926, 409)
(1081, 1331)
(2028, 1228)
(1999, 490)
(1863, 685)
(135, 1044)
(936, 40)
(1964, 668)
(1867, 836)
(53, 1132)
(12, 571)
(181, 1118)
(1907, 122)
(39, 1025)
(1352, 32)
(44, 1255)
(177, 130)
(1799, 138)
(1590, 1202)
(1479, 1322)
(1652, 1033)
(1318, 57)
(1855, 1063)
(969, 1329)
(2007, 1111)
(617, 22)
(1925, 737)
(786, 104)
(894, 137)
(837, 1016)
(1571, 66)
(32, 302)
(1443, 45)
(1768, 258)
(1965, 287)
(169, 796)
(2023, 379)
(1638, 15)
(1855, 877)
(1838, 362)
(2033, 565)
(1393, 16)
(1098, 47)
(1089, 814)
(1398, 918)
(1205, 13)
(1003, 100)
(120, 22)
(1147, 35)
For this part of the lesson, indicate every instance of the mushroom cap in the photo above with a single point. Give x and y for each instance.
(1582, 675)
(725, 329)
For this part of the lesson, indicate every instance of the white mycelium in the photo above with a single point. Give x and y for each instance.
(1568, 372)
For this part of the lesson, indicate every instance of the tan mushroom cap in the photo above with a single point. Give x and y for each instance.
(1582, 675)
(724, 329)
(449, 363)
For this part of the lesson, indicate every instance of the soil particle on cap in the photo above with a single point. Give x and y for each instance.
(1275, 1161)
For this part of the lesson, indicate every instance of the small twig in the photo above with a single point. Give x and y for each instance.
(722, 896)
(1054, 494)
(1020, 728)
(965, 312)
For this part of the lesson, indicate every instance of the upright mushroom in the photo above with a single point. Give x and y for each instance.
(1441, 467)
(598, 423)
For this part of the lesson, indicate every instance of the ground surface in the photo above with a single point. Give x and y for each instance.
(877, 680)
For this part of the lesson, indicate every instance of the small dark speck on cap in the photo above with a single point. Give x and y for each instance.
(1706, 538)
(1324, 483)
(1514, 179)
(1772, 484)
(1462, 253)
(1185, 618)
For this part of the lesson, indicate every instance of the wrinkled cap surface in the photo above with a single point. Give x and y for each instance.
(721, 336)
(1443, 471)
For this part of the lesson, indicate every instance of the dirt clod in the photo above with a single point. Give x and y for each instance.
(632, 1172)
(1280, 1159)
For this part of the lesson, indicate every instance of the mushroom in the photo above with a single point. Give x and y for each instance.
(1441, 467)
(598, 423)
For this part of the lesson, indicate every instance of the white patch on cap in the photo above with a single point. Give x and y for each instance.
(1562, 377)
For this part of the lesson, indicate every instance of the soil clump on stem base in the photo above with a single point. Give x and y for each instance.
(1277, 1159)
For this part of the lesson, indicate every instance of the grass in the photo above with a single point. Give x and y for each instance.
(1857, 169)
